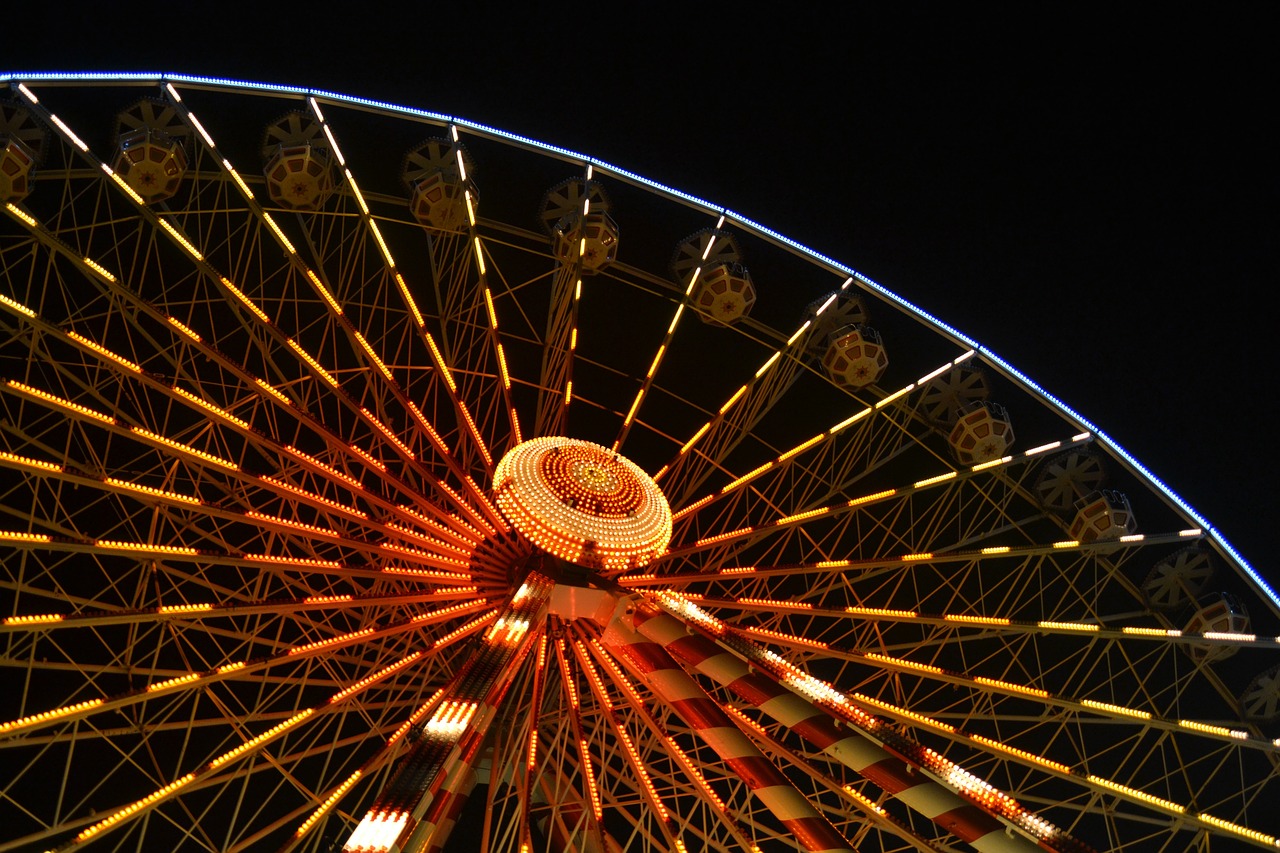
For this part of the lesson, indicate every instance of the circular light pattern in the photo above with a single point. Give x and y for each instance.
(583, 503)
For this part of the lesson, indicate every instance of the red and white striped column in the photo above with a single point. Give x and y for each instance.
(652, 665)
(851, 747)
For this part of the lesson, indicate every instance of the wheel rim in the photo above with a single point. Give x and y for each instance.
(251, 425)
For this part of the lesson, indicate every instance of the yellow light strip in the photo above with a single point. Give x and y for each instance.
(17, 306)
(64, 711)
(185, 330)
(34, 619)
(315, 365)
(920, 484)
(28, 462)
(1237, 829)
(903, 712)
(103, 351)
(1221, 731)
(975, 620)
(373, 356)
(204, 134)
(124, 186)
(277, 729)
(273, 391)
(271, 223)
(245, 300)
(138, 806)
(182, 240)
(117, 545)
(878, 611)
(167, 609)
(1107, 707)
(386, 430)
(148, 490)
(75, 140)
(99, 269)
(244, 188)
(409, 300)
(323, 291)
(184, 448)
(849, 420)
(1137, 795)
(1068, 626)
(328, 469)
(328, 803)
(58, 401)
(1016, 688)
(895, 395)
(21, 214)
(909, 664)
(438, 358)
(1021, 753)
(211, 408)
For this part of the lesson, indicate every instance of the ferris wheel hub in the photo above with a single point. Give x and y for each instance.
(583, 503)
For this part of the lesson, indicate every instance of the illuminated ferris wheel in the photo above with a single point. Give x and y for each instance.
(374, 480)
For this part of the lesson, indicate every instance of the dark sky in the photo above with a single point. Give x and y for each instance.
(1093, 197)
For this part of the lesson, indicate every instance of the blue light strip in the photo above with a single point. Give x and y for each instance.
(1135, 465)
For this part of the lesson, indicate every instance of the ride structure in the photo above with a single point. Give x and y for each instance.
(352, 496)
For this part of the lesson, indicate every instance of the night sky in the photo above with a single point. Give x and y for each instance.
(1092, 197)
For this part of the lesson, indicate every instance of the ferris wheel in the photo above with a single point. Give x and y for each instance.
(374, 480)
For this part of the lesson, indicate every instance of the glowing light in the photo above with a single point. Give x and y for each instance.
(244, 188)
(204, 134)
(1237, 829)
(315, 365)
(181, 240)
(1115, 709)
(245, 300)
(25, 461)
(377, 831)
(895, 395)
(1021, 753)
(103, 351)
(1016, 688)
(25, 217)
(16, 536)
(44, 716)
(34, 619)
(75, 140)
(909, 664)
(1068, 626)
(284, 241)
(1221, 731)
(1136, 794)
(211, 408)
(148, 490)
(185, 449)
(136, 807)
(99, 269)
(583, 503)
(328, 803)
(848, 421)
(975, 620)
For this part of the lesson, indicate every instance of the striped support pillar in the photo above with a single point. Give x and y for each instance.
(443, 815)
(652, 665)
(853, 748)
(396, 822)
